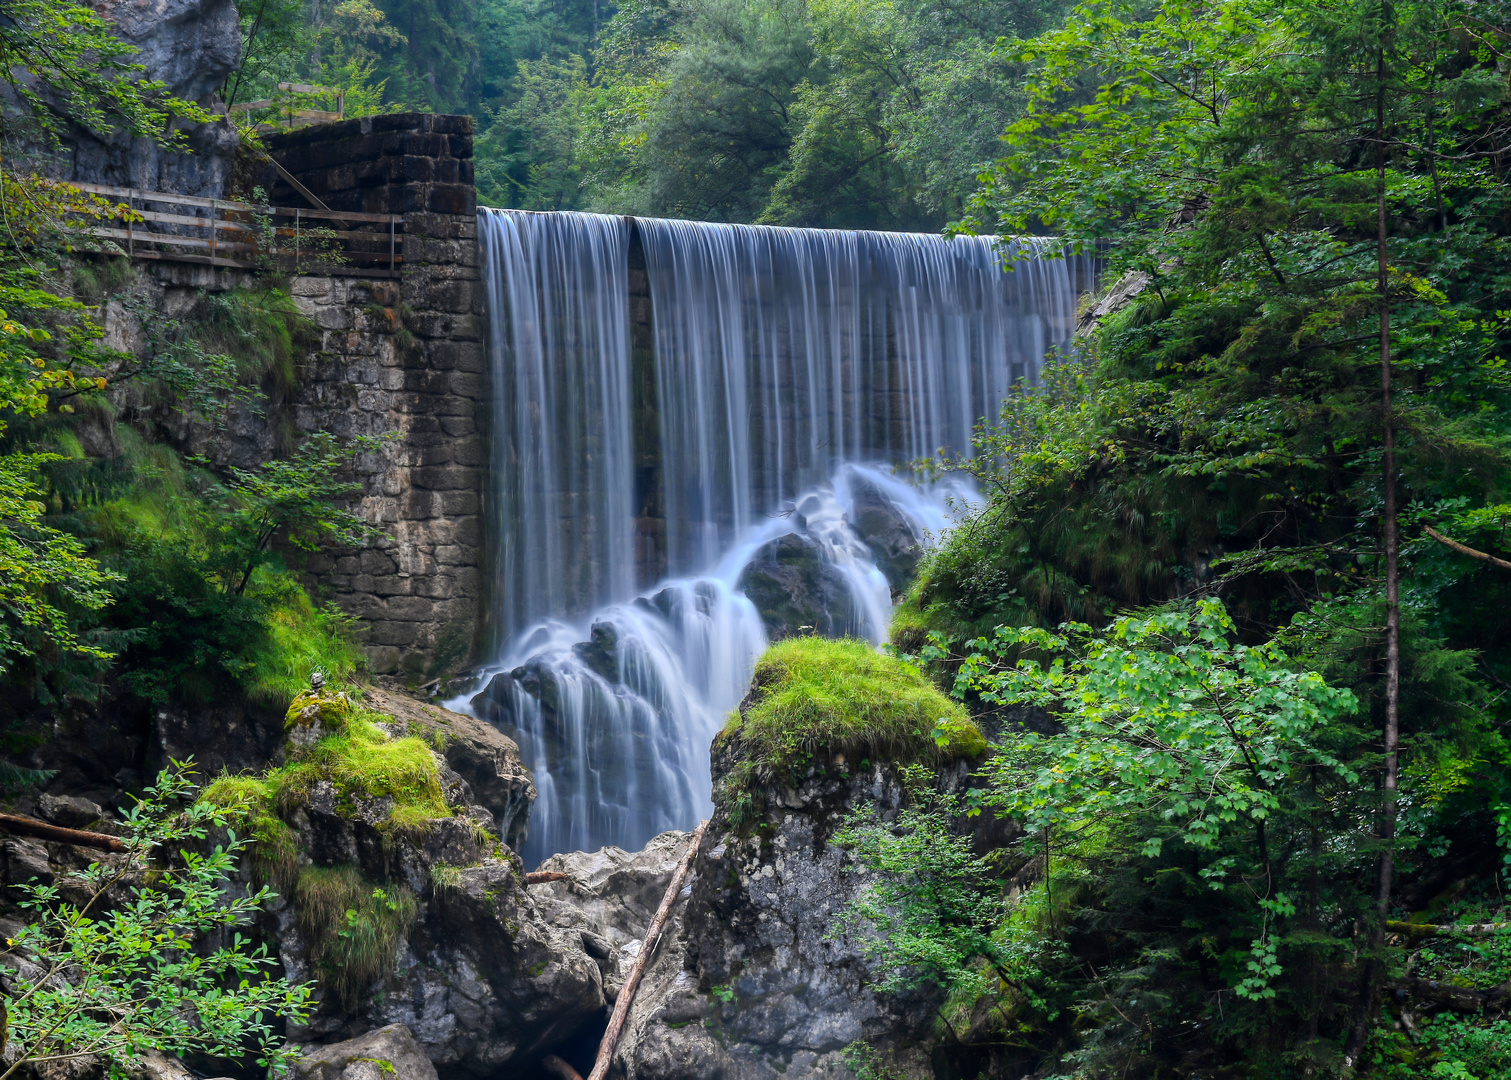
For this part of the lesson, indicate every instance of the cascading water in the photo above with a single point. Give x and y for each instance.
(691, 403)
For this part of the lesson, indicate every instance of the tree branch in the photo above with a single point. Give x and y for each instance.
(1465, 549)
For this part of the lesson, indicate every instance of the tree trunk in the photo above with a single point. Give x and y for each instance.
(1390, 780)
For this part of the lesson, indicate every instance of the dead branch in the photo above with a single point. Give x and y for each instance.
(647, 947)
(1465, 549)
(540, 877)
(1426, 930)
(25, 826)
(559, 1068)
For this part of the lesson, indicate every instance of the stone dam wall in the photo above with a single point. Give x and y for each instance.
(402, 358)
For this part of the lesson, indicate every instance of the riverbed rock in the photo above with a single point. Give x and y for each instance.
(754, 979)
(389, 1053)
(479, 977)
(891, 534)
(797, 592)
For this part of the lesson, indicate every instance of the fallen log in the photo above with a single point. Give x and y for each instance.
(1426, 930)
(41, 830)
(540, 877)
(1451, 996)
(647, 947)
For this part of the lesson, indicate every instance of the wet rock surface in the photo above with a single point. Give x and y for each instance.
(752, 980)
(478, 977)
(797, 592)
(389, 1053)
(755, 981)
(892, 535)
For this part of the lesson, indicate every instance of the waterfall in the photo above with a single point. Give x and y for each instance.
(558, 337)
(694, 428)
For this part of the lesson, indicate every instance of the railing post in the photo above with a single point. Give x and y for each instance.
(296, 239)
(130, 233)
(213, 208)
(393, 227)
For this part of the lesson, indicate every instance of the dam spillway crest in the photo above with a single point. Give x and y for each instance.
(695, 429)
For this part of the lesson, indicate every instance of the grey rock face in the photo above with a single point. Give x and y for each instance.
(793, 587)
(481, 979)
(891, 535)
(191, 45)
(609, 899)
(364, 1058)
(751, 980)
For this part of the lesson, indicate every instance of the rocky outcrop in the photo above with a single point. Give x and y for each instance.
(753, 980)
(191, 46)
(389, 1053)
(478, 976)
(797, 591)
(757, 982)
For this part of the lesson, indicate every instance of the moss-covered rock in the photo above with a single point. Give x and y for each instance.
(843, 699)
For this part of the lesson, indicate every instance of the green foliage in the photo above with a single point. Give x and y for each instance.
(298, 638)
(845, 113)
(930, 913)
(1203, 826)
(144, 971)
(811, 696)
(294, 497)
(1165, 712)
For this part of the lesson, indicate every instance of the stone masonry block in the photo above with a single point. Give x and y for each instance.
(394, 633)
(446, 478)
(471, 451)
(468, 385)
(459, 503)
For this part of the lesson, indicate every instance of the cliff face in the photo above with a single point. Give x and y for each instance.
(191, 46)
(756, 982)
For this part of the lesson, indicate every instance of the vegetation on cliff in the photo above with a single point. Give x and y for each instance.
(1246, 604)
(113, 963)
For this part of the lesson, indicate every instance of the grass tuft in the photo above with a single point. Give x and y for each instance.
(352, 927)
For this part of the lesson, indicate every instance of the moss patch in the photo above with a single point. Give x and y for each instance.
(253, 801)
(811, 696)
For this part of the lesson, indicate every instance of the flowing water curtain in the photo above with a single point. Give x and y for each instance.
(782, 353)
(559, 344)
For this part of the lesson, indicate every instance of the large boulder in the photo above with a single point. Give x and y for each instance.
(399, 897)
(389, 1053)
(797, 591)
(754, 981)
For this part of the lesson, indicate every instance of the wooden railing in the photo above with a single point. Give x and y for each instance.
(219, 232)
(290, 116)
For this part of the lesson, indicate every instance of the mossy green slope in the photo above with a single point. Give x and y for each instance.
(812, 696)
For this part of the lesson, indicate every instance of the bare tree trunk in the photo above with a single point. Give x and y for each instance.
(1390, 780)
(648, 946)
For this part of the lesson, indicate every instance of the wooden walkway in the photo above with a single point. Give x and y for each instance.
(219, 232)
